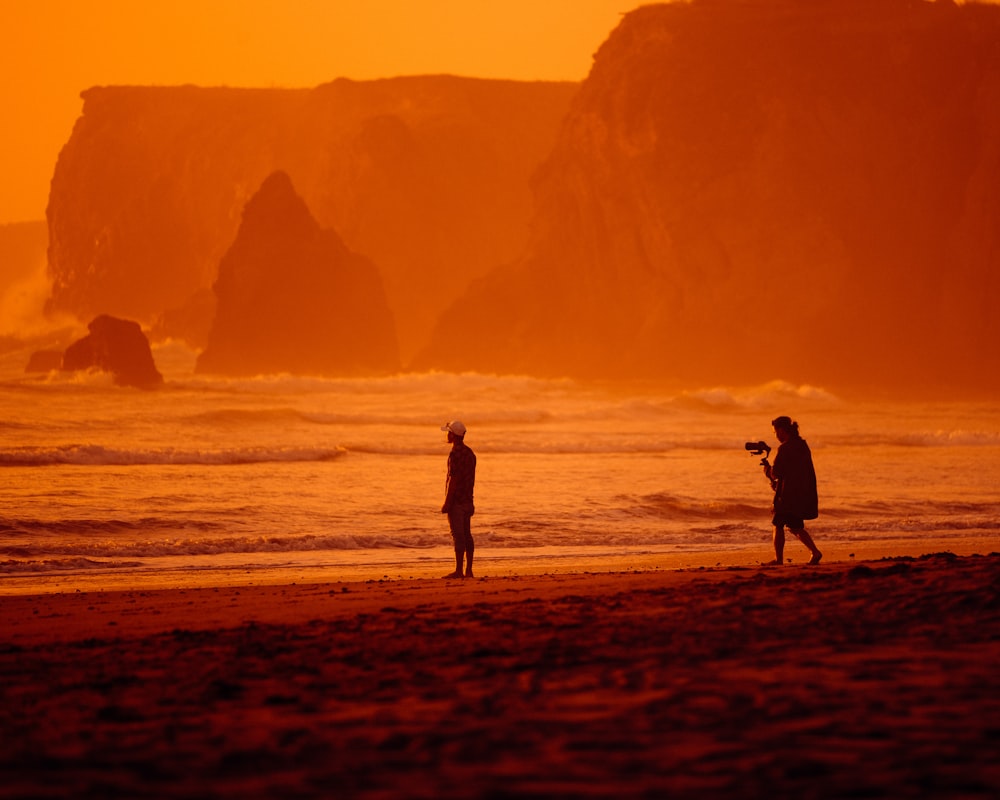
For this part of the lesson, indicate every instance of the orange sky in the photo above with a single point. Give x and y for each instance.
(53, 49)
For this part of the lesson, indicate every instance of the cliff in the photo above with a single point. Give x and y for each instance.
(764, 188)
(292, 298)
(427, 176)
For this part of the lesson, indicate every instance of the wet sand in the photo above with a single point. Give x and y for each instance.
(872, 678)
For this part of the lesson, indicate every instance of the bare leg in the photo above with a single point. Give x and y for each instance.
(779, 544)
(470, 548)
(458, 565)
(807, 540)
(455, 523)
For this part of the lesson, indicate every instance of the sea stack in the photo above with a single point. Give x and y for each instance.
(117, 346)
(291, 298)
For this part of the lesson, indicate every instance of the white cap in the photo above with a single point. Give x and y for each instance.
(454, 427)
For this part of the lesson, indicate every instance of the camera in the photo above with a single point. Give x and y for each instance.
(757, 448)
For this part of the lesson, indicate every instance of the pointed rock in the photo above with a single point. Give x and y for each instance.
(292, 298)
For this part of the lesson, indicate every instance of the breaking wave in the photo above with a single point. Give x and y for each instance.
(765, 396)
(99, 455)
(64, 554)
(30, 567)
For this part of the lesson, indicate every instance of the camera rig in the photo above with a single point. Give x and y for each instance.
(762, 449)
(759, 449)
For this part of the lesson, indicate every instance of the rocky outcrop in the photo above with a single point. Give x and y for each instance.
(427, 176)
(292, 298)
(117, 346)
(44, 361)
(764, 188)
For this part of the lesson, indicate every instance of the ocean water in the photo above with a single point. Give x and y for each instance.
(266, 476)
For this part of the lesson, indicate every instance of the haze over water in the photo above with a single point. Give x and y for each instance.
(276, 476)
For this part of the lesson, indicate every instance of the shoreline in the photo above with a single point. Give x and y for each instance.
(271, 569)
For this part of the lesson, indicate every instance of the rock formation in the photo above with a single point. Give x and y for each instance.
(744, 190)
(117, 346)
(290, 297)
(427, 176)
(44, 361)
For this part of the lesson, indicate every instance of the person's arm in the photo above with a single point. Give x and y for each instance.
(449, 489)
(774, 471)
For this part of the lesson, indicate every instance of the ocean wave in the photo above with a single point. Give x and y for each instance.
(520, 392)
(514, 444)
(763, 396)
(726, 513)
(73, 564)
(99, 455)
(526, 446)
(952, 438)
(915, 439)
(523, 442)
(432, 383)
(240, 417)
(42, 529)
(54, 550)
(671, 507)
(701, 526)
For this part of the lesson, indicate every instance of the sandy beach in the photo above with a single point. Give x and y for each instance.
(857, 677)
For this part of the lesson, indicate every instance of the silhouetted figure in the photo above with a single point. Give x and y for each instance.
(794, 480)
(458, 500)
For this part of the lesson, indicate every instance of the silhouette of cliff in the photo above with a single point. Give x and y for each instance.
(427, 176)
(764, 188)
(292, 298)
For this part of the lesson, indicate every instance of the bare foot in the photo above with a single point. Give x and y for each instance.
(774, 563)
(468, 573)
(455, 574)
(816, 557)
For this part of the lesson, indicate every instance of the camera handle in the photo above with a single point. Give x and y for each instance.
(761, 449)
(767, 465)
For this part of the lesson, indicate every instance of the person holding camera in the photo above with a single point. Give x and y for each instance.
(793, 479)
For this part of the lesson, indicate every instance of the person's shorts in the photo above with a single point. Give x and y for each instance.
(459, 520)
(783, 520)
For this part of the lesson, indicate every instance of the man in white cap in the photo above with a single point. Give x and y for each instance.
(458, 502)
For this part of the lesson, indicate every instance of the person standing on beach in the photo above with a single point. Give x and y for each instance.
(794, 481)
(458, 500)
